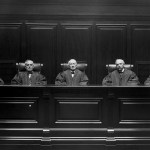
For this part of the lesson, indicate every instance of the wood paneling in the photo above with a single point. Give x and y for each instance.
(53, 43)
(75, 7)
(76, 42)
(10, 41)
(83, 117)
(140, 35)
(140, 42)
(10, 49)
(18, 110)
(97, 32)
(52, 32)
(42, 46)
(110, 44)
(131, 111)
(91, 111)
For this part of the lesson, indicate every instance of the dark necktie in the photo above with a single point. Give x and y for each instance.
(72, 72)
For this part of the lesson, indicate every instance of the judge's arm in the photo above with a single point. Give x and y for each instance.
(60, 79)
(17, 79)
(134, 80)
(41, 80)
(107, 81)
(84, 80)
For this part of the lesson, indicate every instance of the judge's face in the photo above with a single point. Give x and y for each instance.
(72, 64)
(119, 64)
(29, 65)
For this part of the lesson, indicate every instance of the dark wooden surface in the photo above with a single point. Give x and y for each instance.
(60, 118)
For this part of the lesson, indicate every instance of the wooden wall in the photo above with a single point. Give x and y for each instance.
(74, 118)
(53, 31)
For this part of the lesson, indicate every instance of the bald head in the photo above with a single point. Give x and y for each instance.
(119, 61)
(72, 64)
(29, 65)
(119, 64)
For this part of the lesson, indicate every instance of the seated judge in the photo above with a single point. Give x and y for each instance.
(29, 77)
(72, 76)
(121, 76)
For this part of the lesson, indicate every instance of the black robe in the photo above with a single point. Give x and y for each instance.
(126, 78)
(22, 78)
(147, 81)
(1, 82)
(65, 78)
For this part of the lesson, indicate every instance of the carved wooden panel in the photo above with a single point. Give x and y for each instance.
(76, 110)
(18, 110)
(76, 41)
(140, 42)
(41, 47)
(10, 49)
(140, 49)
(10, 41)
(110, 45)
(84, 117)
(134, 111)
(143, 70)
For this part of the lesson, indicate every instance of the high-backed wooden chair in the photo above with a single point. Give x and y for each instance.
(21, 67)
(112, 67)
(80, 66)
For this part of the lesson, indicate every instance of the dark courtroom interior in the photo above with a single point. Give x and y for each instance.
(91, 117)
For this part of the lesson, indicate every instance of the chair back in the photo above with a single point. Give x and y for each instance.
(80, 66)
(112, 67)
(21, 67)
